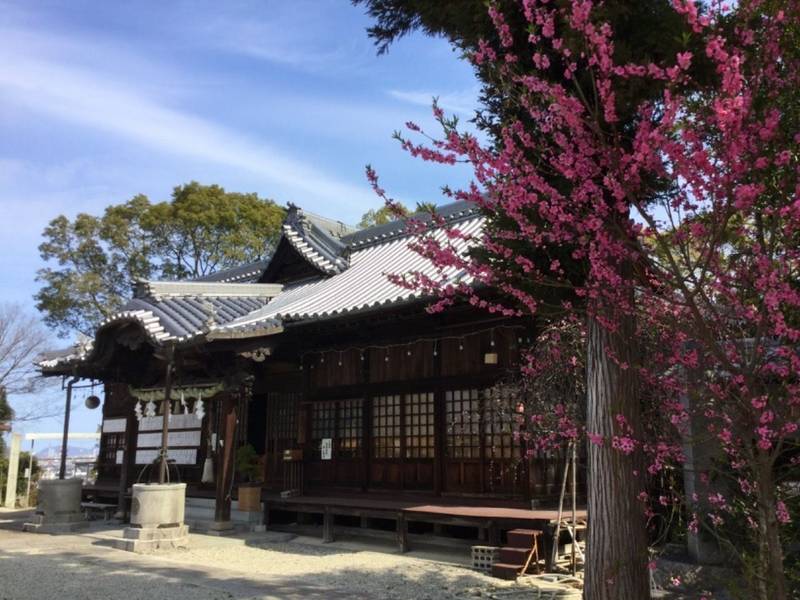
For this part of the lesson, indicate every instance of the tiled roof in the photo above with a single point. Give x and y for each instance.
(317, 239)
(247, 273)
(353, 277)
(176, 312)
(364, 285)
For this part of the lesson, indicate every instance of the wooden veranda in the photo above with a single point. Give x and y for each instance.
(490, 518)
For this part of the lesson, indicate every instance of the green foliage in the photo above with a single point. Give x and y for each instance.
(248, 464)
(6, 412)
(93, 260)
(6, 416)
(379, 216)
(22, 481)
(384, 214)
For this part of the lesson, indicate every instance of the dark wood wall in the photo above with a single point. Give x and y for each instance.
(407, 416)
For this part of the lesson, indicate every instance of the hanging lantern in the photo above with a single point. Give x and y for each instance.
(92, 402)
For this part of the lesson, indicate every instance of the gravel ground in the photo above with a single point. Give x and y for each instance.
(253, 566)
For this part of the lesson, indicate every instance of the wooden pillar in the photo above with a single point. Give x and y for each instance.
(128, 458)
(439, 425)
(366, 414)
(166, 408)
(327, 526)
(226, 455)
(402, 533)
(493, 533)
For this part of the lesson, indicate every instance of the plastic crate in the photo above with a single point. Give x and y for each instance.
(483, 557)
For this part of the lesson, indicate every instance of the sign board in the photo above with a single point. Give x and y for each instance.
(326, 448)
(114, 425)
(180, 455)
(175, 438)
(181, 421)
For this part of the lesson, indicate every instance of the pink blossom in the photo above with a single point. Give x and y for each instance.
(782, 513)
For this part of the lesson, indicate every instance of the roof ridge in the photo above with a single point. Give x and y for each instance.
(176, 289)
(451, 213)
(234, 274)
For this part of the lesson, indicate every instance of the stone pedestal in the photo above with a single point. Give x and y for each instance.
(221, 528)
(153, 539)
(59, 508)
(156, 518)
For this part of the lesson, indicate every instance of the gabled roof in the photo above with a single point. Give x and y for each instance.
(350, 275)
(374, 254)
(317, 240)
(175, 311)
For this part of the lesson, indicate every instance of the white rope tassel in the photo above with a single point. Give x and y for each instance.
(199, 411)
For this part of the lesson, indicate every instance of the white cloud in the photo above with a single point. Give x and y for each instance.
(295, 34)
(464, 102)
(94, 99)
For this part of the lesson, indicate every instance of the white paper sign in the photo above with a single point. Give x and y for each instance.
(181, 456)
(114, 425)
(182, 421)
(326, 448)
(175, 438)
(120, 455)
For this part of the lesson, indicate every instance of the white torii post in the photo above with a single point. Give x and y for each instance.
(13, 470)
(13, 458)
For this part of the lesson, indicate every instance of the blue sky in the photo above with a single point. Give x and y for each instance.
(100, 101)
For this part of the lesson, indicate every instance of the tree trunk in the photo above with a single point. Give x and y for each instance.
(616, 547)
(772, 580)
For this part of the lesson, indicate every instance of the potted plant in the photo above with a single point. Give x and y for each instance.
(248, 465)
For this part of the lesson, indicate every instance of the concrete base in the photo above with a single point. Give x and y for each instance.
(41, 524)
(59, 509)
(221, 528)
(152, 539)
(200, 515)
(156, 519)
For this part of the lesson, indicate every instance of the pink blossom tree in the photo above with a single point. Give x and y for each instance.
(681, 223)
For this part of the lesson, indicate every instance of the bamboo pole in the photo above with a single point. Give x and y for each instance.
(574, 508)
(557, 531)
(62, 469)
(163, 472)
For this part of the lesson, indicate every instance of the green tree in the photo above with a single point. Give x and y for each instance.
(386, 214)
(6, 416)
(92, 260)
(22, 481)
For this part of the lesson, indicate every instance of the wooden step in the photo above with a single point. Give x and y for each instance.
(522, 538)
(514, 556)
(506, 571)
